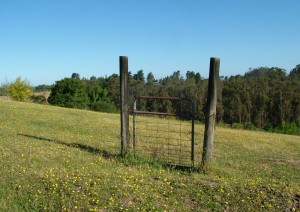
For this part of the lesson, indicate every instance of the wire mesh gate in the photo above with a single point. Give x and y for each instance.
(164, 136)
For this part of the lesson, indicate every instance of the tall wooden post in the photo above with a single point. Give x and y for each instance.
(124, 95)
(210, 113)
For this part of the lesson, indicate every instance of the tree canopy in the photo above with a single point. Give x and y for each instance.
(69, 92)
(263, 98)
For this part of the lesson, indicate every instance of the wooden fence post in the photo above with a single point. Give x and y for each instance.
(124, 95)
(210, 113)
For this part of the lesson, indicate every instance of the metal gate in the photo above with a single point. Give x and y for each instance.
(164, 136)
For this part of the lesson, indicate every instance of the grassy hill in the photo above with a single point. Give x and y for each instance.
(58, 159)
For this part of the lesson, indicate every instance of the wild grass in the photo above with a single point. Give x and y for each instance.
(57, 159)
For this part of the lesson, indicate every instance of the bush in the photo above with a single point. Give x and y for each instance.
(249, 126)
(104, 106)
(286, 128)
(2, 91)
(290, 128)
(237, 126)
(20, 90)
(69, 92)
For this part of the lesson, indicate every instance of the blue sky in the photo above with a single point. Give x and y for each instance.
(46, 40)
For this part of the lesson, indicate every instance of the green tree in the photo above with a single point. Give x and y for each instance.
(112, 84)
(150, 78)
(266, 72)
(139, 76)
(43, 87)
(69, 92)
(75, 76)
(232, 99)
(20, 90)
(295, 73)
(95, 90)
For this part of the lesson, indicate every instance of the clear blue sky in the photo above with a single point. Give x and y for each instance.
(46, 40)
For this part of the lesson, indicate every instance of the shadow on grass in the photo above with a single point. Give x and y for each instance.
(184, 168)
(82, 147)
(131, 160)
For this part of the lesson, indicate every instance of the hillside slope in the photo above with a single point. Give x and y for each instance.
(58, 159)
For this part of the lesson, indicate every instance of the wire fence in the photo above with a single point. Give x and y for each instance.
(165, 137)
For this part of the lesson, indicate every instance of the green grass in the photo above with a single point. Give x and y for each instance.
(57, 159)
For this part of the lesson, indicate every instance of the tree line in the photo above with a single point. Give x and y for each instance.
(265, 98)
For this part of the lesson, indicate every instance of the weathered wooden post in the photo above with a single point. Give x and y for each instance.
(124, 95)
(210, 113)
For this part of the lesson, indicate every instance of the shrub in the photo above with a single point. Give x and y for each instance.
(249, 126)
(20, 90)
(290, 128)
(2, 91)
(104, 106)
(69, 92)
(237, 126)
(286, 128)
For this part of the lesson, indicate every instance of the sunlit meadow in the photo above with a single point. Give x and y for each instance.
(58, 159)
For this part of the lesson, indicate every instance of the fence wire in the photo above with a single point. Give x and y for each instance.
(164, 138)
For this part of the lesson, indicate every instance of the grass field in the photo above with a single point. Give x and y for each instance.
(57, 159)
